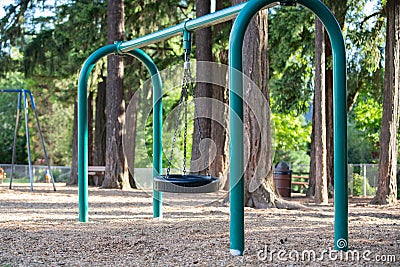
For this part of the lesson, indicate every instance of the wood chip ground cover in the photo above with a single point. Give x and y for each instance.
(42, 229)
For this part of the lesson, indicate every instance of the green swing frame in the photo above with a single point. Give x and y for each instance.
(244, 13)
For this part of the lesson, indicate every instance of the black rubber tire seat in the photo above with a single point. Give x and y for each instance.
(189, 183)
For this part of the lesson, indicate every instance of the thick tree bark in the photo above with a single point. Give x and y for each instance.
(99, 154)
(73, 179)
(319, 137)
(219, 166)
(387, 185)
(339, 8)
(260, 189)
(116, 175)
(329, 116)
(203, 38)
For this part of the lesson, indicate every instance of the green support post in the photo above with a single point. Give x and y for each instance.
(157, 124)
(339, 120)
(236, 124)
(236, 146)
(83, 125)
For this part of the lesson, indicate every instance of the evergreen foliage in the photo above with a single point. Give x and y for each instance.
(43, 47)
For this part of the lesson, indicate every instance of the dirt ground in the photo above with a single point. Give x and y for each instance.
(42, 229)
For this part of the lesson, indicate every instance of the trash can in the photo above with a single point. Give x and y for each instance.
(283, 179)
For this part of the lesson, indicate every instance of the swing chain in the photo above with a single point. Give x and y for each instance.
(182, 102)
(187, 85)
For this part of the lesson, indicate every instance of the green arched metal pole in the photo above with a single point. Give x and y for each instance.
(83, 124)
(83, 127)
(236, 125)
(157, 124)
(124, 47)
(339, 120)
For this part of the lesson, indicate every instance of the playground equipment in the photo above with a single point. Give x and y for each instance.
(186, 183)
(24, 93)
(244, 13)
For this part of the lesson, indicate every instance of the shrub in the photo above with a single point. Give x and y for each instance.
(358, 186)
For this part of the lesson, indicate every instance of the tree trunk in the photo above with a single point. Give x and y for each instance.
(329, 116)
(73, 179)
(131, 125)
(200, 159)
(99, 154)
(260, 189)
(116, 174)
(319, 137)
(311, 181)
(339, 9)
(219, 166)
(387, 184)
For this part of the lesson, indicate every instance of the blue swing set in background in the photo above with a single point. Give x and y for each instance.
(23, 94)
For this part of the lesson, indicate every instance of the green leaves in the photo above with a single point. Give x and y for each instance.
(368, 118)
(291, 138)
(291, 52)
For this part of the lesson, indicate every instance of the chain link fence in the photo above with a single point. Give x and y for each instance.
(21, 173)
(362, 178)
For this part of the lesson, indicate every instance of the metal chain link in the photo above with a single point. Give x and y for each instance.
(187, 83)
(184, 96)
(185, 134)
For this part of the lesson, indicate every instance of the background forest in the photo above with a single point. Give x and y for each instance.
(43, 45)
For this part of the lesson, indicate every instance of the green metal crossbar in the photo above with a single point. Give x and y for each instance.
(244, 13)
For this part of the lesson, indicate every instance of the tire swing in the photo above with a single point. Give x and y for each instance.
(185, 182)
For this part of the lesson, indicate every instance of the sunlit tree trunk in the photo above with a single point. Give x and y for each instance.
(319, 138)
(339, 9)
(387, 185)
(116, 174)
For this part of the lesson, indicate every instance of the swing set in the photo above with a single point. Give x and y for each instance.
(23, 95)
(187, 183)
